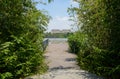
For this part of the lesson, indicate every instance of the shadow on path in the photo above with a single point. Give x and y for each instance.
(62, 64)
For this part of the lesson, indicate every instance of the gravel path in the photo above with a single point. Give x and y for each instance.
(62, 65)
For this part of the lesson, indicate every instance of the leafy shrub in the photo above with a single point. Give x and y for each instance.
(100, 62)
(100, 22)
(21, 35)
(76, 42)
(93, 59)
(19, 58)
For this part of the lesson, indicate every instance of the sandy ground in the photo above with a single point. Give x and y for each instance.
(58, 57)
(62, 64)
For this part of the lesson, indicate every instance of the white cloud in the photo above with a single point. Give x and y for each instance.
(59, 23)
(62, 18)
(73, 3)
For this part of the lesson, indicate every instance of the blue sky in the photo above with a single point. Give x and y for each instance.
(58, 11)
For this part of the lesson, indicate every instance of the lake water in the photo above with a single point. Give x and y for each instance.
(57, 40)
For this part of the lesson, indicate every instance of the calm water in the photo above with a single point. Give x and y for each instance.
(57, 40)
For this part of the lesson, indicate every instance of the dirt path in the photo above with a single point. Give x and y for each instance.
(59, 58)
(63, 65)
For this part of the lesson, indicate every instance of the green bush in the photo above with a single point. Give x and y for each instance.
(93, 59)
(101, 62)
(100, 21)
(20, 58)
(76, 42)
(21, 35)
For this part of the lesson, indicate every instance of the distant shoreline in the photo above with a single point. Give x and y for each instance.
(57, 39)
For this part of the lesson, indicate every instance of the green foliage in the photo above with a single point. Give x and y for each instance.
(76, 41)
(21, 36)
(6, 75)
(101, 62)
(20, 57)
(98, 19)
(57, 35)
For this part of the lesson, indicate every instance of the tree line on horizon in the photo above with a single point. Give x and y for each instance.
(57, 35)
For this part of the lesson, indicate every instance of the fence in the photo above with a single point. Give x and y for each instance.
(45, 43)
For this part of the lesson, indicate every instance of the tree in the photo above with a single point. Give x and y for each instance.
(99, 20)
(21, 35)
